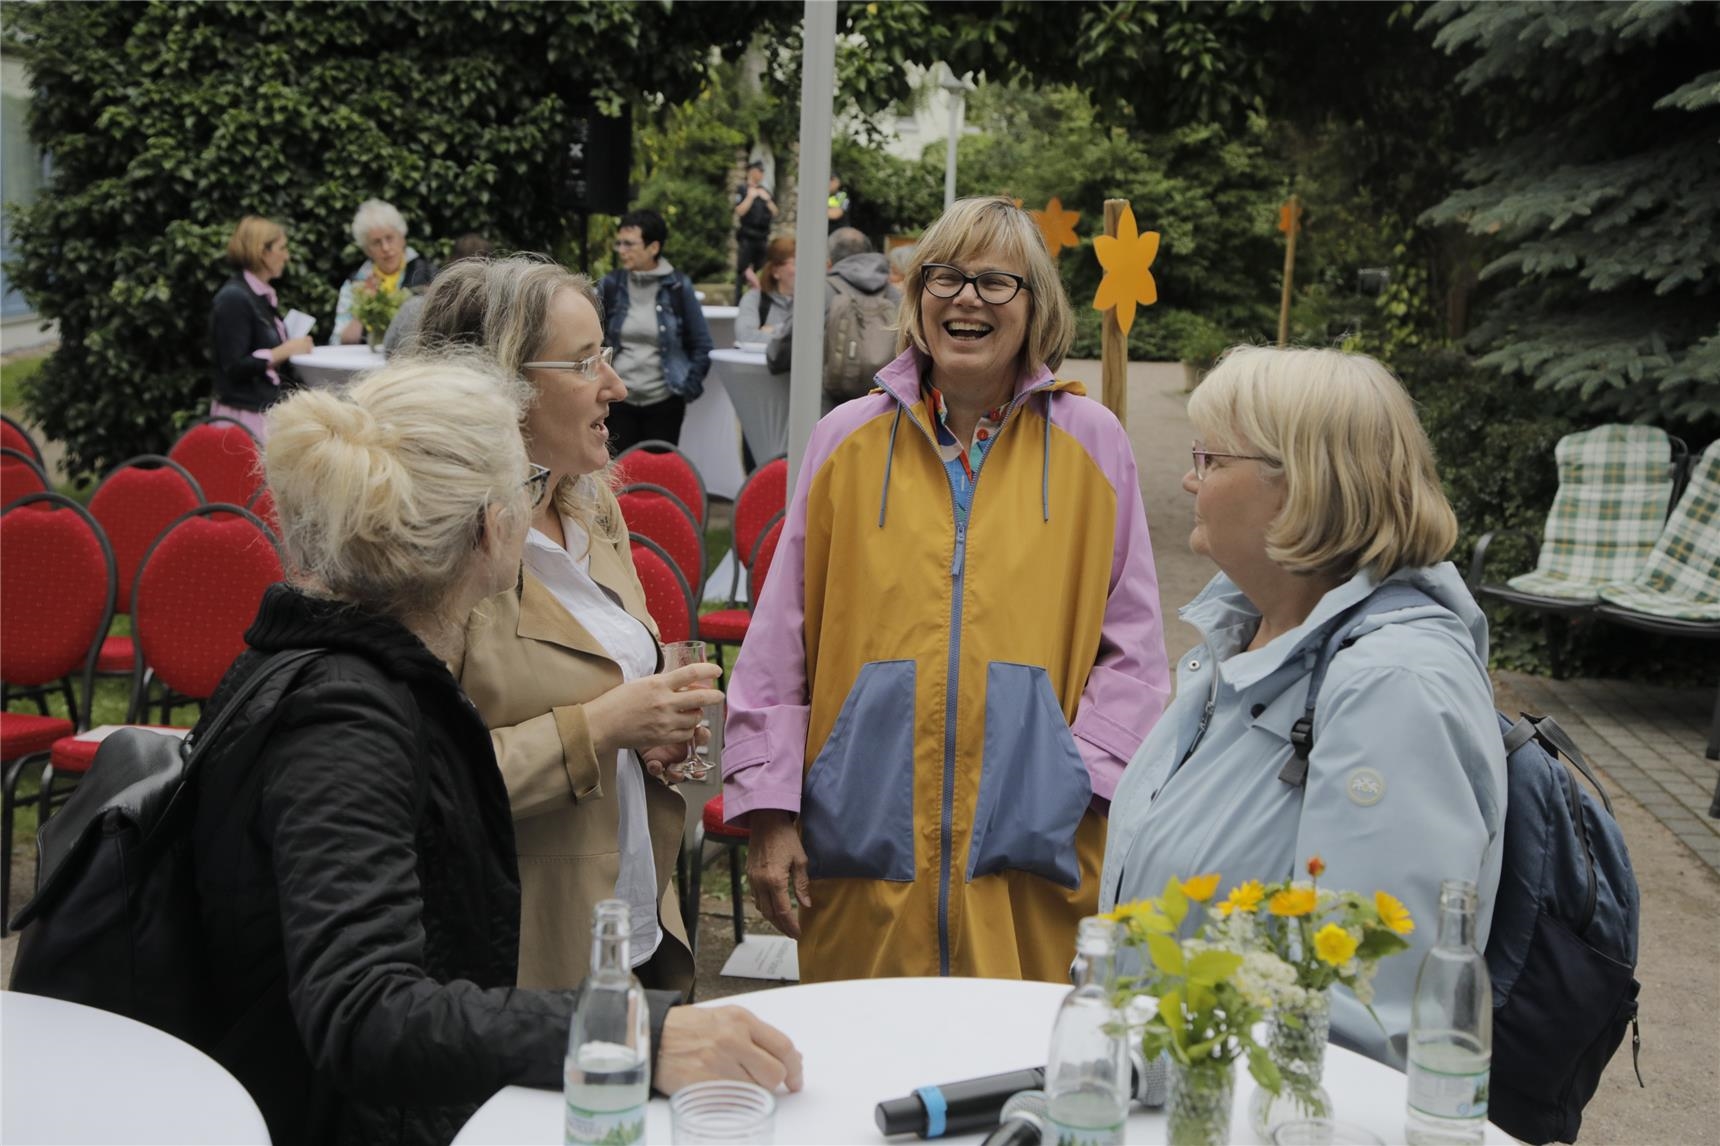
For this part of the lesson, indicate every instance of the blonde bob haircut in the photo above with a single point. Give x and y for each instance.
(251, 238)
(380, 486)
(1362, 491)
(973, 228)
(502, 306)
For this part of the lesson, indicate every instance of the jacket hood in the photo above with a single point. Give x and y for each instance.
(1223, 615)
(291, 619)
(869, 272)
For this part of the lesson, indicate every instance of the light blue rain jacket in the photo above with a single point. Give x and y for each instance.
(1406, 783)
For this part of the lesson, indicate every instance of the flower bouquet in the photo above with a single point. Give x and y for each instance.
(1325, 937)
(375, 306)
(1210, 994)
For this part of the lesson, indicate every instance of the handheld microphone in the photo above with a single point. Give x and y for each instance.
(977, 1103)
(1023, 1122)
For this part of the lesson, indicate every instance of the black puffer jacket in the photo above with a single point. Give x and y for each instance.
(360, 893)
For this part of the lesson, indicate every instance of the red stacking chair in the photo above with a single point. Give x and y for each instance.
(659, 463)
(14, 436)
(135, 504)
(20, 476)
(763, 555)
(263, 505)
(56, 602)
(666, 593)
(224, 458)
(654, 512)
(761, 500)
(729, 626)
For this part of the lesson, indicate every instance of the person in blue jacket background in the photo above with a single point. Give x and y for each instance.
(1314, 487)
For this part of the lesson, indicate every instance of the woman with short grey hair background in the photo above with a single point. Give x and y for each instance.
(379, 230)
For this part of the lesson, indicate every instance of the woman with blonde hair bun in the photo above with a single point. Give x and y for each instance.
(1340, 703)
(353, 847)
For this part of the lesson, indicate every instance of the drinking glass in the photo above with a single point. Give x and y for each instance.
(1324, 1132)
(722, 1111)
(680, 654)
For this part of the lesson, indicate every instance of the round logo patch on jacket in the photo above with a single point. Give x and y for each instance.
(1365, 787)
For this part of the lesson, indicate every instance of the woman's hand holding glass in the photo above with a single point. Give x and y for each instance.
(692, 765)
(657, 716)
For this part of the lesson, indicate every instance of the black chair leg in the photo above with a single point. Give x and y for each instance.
(1714, 746)
(8, 809)
(1557, 629)
(735, 894)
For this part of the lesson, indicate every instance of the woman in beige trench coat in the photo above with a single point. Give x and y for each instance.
(565, 668)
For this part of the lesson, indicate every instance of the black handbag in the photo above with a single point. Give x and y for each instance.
(114, 921)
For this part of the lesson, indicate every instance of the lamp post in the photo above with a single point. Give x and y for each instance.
(958, 90)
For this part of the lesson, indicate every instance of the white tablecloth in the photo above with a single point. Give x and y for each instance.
(869, 1040)
(721, 320)
(76, 1074)
(336, 365)
(759, 397)
(711, 437)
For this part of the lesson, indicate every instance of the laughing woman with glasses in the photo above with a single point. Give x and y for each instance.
(959, 646)
(565, 665)
(1316, 496)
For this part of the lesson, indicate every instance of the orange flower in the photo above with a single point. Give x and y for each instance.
(1127, 258)
(1316, 866)
(1056, 225)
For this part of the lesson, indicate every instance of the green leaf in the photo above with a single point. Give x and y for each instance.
(1167, 954)
(1213, 967)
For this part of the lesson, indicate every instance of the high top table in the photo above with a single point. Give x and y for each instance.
(759, 397)
(871, 1039)
(74, 1074)
(336, 365)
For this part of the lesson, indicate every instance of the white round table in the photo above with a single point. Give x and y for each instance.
(868, 1040)
(759, 397)
(336, 365)
(721, 320)
(74, 1074)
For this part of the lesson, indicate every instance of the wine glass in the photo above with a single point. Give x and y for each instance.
(680, 654)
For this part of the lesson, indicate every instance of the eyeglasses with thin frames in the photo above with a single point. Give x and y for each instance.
(941, 280)
(1202, 457)
(538, 483)
(585, 367)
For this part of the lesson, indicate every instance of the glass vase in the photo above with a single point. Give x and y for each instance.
(1296, 1040)
(1199, 1103)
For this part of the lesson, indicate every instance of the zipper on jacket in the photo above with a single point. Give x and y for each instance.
(952, 678)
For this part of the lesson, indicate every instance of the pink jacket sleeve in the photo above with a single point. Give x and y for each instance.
(1130, 683)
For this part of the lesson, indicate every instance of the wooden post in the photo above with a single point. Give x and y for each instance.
(1289, 222)
(1113, 346)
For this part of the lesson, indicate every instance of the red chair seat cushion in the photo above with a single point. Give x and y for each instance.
(118, 654)
(714, 825)
(25, 733)
(71, 755)
(725, 625)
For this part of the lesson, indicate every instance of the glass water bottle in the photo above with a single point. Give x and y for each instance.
(1450, 1030)
(608, 1070)
(1087, 1083)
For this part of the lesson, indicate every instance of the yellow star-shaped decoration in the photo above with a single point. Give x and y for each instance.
(1127, 258)
(1057, 225)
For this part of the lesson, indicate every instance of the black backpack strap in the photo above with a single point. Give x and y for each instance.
(763, 306)
(1340, 634)
(1557, 741)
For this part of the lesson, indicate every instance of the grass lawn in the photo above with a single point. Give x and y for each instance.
(14, 377)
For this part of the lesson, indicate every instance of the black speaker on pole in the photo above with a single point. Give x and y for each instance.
(598, 163)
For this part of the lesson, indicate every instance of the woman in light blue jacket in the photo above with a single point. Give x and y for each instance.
(1316, 495)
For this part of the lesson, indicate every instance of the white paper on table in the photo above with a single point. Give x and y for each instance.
(102, 731)
(765, 957)
(298, 323)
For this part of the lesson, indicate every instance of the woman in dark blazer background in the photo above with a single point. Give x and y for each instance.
(250, 341)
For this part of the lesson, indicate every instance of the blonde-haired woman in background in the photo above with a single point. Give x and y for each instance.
(249, 341)
(939, 690)
(1317, 498)
(564, 663)
(352, 840)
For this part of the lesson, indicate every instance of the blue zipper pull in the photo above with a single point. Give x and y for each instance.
(961, 551)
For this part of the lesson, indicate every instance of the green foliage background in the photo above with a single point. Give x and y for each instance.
(168, 121)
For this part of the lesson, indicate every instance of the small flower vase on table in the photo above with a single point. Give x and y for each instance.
(1201, 1095)
(1296, 1037)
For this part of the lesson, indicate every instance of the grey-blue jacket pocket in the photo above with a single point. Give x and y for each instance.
(857, 809)
(1033, 787)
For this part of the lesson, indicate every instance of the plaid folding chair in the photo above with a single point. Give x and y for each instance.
(1678, 590)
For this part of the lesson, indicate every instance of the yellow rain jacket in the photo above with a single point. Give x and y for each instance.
(947, 699)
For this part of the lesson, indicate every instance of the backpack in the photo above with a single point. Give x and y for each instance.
(114, 922)
(1561, 952)
(859, 339)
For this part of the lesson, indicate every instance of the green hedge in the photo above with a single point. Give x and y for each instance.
(168, 121)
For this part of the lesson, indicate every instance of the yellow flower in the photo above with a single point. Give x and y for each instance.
(1200, 888)
(1334, 945)
(1124, 912)
(1393, 913)
(1243, 897)
(1316, 866)
(1292, 901)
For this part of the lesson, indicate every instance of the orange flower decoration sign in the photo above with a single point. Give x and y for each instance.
(1128, 259)
(1057, 225)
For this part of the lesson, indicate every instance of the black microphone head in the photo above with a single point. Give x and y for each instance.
(900, 1116)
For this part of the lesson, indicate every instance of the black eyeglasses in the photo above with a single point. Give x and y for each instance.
(1203, 457)
(538, 484)
(996, 287)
